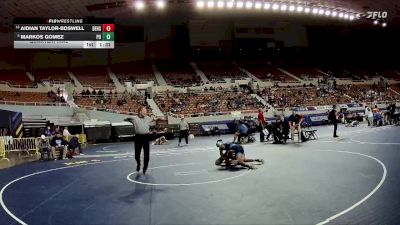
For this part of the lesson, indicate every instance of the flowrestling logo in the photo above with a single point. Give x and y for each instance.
(377, 15)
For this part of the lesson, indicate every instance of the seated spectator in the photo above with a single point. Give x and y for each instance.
(241, 132)
(295, 121)
(74, 146)
(66, 132)
(47, 132)
(45, 147)
(58, 143)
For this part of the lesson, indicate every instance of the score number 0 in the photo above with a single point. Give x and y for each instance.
(108, 32)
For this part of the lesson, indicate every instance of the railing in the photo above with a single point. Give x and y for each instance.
(17, 85)
(107, 110)
(10, 144)
(2, 150)
(32, 103)
(210, 114)
(113, 95)
(111, 87)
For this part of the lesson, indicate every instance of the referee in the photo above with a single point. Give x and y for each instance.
(142, 124)
(183, 131)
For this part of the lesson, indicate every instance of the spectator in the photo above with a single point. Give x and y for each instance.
(47, 132)
(295, 121)
(262, 123)
(74, 145)
(66, 133)
(58, 143)
(45, 147)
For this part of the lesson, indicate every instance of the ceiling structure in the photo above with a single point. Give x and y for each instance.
(124, 11)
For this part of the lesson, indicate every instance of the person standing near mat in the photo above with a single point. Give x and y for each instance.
(333, 117)
(183, 131)
(262, 123)
(142, 123)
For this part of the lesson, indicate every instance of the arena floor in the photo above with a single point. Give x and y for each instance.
(351, 180)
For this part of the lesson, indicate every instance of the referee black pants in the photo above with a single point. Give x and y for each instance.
(142, 141)
(184, 134)
(334, 129)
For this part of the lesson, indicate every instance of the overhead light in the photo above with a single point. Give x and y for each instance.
(376, 22)
(346, 16)
(299, 9)
(283, 7)
(341, 15)
(239, 4)
(229, 4)
(267, 6)
(291, 8)
(334, 13)
(139, 5)
(307, 10)
(321, 12)
(210, 4)
(327, 13)
(200, 4)
(258, 5)
(275, 6)
(351, 17)
(220, 4)
(315, 11)
(384, 24)
(249, 5)
(160, 4)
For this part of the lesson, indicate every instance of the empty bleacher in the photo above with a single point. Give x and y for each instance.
(179, 75)
(29, 97)
(95, 77)
(139, 73)
(267, 72)
(217, 71)
(15, 77)
(52, 75)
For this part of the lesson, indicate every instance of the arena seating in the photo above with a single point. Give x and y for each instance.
(29, 97)
(206, 103)
(369, 93)
(362, 74)
(179, 75)
(303, 96)
(390, 74)
(121, 102)
(265, 72)
(15, 77)
(96, 77)
(304, 72)
(134, 72)
(340, 73)
(395, 87)
(216, 71)
(52, 75)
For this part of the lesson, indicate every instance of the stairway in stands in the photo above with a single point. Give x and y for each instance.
(118, 85)
(154, 107)
(200, 73)
(76, 81)
(160, 79)
(259, 98)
